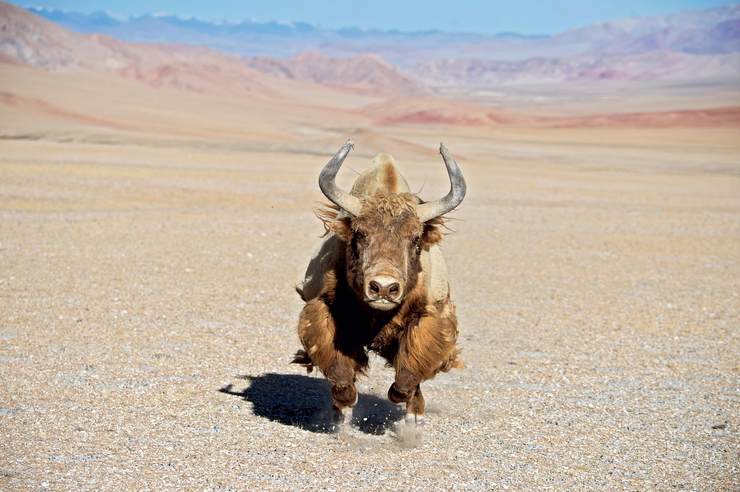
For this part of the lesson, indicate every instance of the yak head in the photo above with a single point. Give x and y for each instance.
(385, 233)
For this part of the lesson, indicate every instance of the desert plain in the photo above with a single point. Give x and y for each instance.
(151, 236)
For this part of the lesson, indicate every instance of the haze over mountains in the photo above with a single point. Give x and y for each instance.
(683, 46)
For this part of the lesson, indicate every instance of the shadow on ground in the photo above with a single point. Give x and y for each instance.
(304, 402)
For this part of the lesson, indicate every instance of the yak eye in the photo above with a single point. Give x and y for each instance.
(416, 241)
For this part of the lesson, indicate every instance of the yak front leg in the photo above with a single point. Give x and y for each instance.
(407, 388)
(424, 349)
(317, 332)
(342, 377)
(415, 408)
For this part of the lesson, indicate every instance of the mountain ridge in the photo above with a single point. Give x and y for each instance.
(680, 46)
(29, 39)
(691, 45)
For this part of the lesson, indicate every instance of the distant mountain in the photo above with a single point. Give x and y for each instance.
(273, 39)
(710, 31)
(683, 46)
(29, 39)
(240, 38)
(365, 72)
(648, 65)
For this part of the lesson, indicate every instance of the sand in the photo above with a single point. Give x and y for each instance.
(147, 311)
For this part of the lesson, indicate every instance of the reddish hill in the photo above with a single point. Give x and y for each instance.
(728, 116)
(363, 72)
(459, 113)
(29, 39)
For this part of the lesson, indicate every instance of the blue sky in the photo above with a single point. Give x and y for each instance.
(523, 16)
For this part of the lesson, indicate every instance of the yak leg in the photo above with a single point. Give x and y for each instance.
(407, 388)
(415, 408)
(317, 332)
(425, 349)
(404, 387)
(342, 377)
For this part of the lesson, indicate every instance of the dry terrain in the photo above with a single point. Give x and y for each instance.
(151, 235)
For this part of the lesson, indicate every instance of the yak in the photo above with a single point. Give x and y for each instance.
(378, 282)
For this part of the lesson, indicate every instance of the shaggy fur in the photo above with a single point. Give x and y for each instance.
(337, 328)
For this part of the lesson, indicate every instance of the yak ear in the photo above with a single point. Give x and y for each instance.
(334, 221)
(432, 232)
(342, 227)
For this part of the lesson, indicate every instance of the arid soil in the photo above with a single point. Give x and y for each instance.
(148, 314)
(154, 221)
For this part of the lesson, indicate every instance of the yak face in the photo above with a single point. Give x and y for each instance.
(384, 242)
(385, 232)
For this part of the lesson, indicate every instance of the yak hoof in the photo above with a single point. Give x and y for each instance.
(344, 395)
(337, 416)
(398, 396)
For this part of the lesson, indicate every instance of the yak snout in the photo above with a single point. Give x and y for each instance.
(383, 292)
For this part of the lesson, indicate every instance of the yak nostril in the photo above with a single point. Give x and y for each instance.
(383, 287)
(374, 287)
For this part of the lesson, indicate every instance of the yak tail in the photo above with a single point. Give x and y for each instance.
(301, 358)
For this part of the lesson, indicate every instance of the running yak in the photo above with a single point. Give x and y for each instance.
(378, 282)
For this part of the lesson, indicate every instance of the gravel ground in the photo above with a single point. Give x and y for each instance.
(147, 318)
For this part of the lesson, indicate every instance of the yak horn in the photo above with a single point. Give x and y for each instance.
(430, 210)
(345, 201)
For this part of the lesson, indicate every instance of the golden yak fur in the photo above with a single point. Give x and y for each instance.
(337, 328)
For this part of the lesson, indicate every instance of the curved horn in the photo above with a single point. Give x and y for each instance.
(345, 201)
(430, 210)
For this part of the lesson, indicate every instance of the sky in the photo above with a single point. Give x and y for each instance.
(493, 16)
